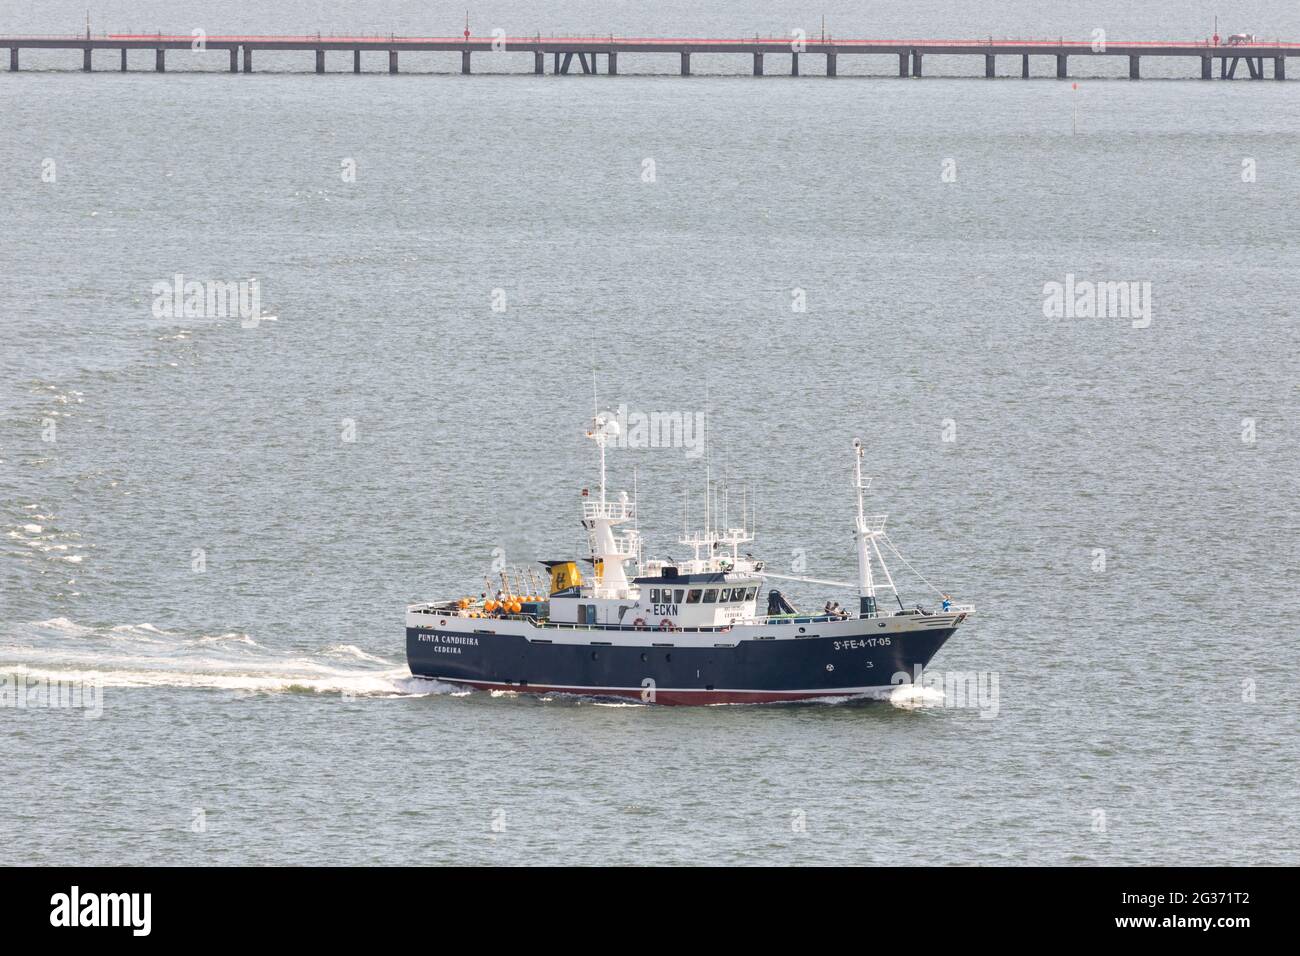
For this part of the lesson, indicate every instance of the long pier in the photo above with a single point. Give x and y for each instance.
(573, 55)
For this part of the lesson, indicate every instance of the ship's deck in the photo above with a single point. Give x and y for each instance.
(762, 621)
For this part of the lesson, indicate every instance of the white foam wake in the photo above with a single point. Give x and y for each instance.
(144, 655)
(915, 697)
(397, 682)
(352, 651)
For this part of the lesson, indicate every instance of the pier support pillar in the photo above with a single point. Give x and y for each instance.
(85, 60)
(758, 64)
(830, 64)
(613, 63)
(392, 61)
(13, 59)
(1206, 68)
(1134, 70)
(916, 62)
(1259, 68)
(464, 61)
(234, 59)
(320, 61)
(990, 65)
(794, 64)
(356, 61)
(160, 61)
(539, 62)
(686, 63)
(904, 61)
(1279, 68)
(1060, 66)
(123, 59)
(1024, 66)
(248, 60)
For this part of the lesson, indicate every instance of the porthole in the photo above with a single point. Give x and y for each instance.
(668, 658)
(595, 655)
(802, 629)
(644, 658)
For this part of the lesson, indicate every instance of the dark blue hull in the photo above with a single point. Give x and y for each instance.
(751, 671)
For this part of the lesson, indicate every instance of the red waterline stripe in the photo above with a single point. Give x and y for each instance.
(678, 697)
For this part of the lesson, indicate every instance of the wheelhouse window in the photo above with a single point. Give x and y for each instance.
(710, 595)
(654, 596)
(693, 596)
(677, 595)
(749, 594)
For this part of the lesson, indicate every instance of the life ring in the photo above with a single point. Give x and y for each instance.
(639, 622)
(666, 624)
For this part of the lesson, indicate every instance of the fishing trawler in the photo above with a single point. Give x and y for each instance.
(679, 632)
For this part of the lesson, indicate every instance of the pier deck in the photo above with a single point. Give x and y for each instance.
(586, 54)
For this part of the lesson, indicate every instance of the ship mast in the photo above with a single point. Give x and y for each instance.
(714, 535)
(863, 535)
(599, 518)
(868, 530)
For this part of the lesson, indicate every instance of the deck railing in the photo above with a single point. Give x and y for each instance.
(766, 620)
(613, 510)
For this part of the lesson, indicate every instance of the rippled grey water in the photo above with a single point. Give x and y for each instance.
(258, 709)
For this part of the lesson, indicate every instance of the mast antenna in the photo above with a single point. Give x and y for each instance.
(708, 465)
(726, 499)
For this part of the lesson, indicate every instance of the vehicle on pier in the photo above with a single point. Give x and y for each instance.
(679, 632)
